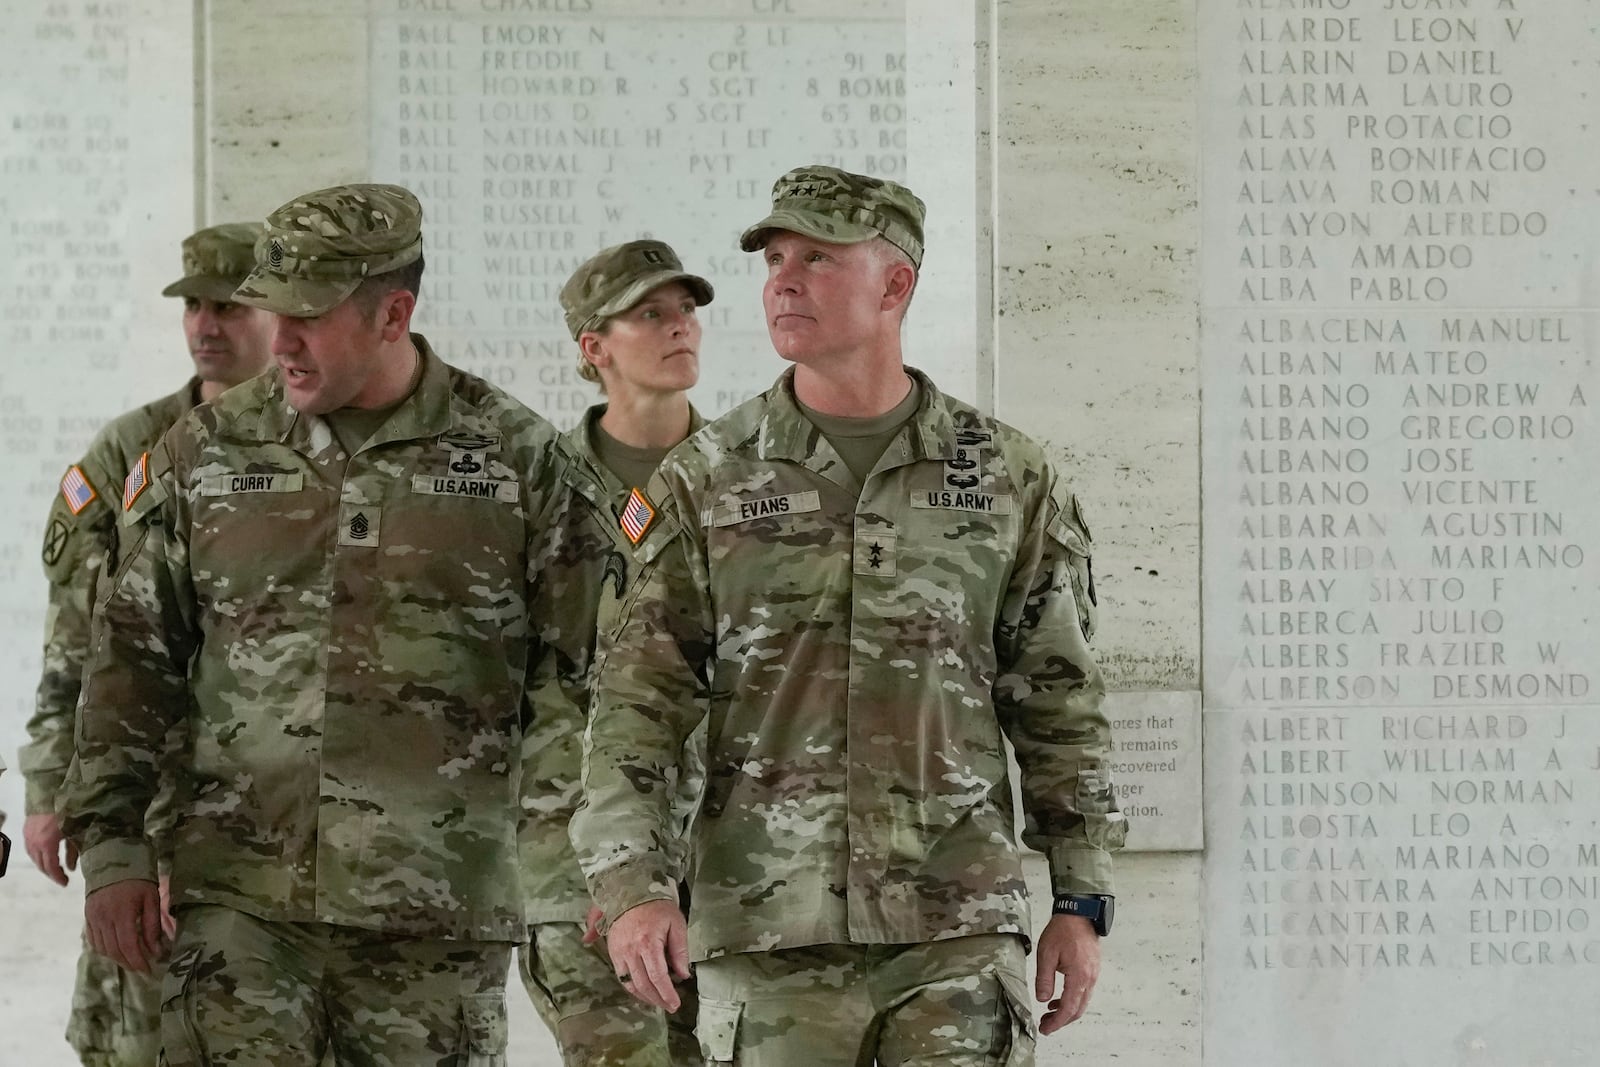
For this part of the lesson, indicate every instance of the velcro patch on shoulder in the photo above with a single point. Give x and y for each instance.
(76, 489)
(56, 537)
(637, 515)
(137, 482)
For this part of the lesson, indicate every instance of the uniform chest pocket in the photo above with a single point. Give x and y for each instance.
(273, 519)
(795, 521)
(960, 550)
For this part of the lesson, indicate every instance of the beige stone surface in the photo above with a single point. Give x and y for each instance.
(286, 111)
(1098, 300)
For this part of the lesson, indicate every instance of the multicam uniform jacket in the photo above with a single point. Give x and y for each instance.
(356, 640)
(587, 571)
(864, 650)
(80, 545)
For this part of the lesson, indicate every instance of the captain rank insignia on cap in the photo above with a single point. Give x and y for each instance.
(637, 515)
(137, 482)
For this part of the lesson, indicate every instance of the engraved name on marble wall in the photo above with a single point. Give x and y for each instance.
(534, 143)
(1400, 535)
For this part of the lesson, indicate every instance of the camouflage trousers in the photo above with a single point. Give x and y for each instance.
(115, 1014)
(595, 1020)
(956, 1003)
(244, 992)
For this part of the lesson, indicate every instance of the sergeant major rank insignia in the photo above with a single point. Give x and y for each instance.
(137, 482)
(637, 514)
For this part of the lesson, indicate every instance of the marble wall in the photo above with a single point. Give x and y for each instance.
(1054, 143)
(1399, 239)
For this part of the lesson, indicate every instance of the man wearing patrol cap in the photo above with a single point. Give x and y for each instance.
(114, 1012)
(874, 585)
(631, 310)
(334, 585)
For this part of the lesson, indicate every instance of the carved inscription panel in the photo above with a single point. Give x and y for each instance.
(534, 139)
(95, 196)
(1401, 236)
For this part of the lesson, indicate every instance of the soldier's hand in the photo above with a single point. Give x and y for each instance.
(169, 925)
(123, 921)
(42, 836)
(591, 924)
(649, 947)
(1068, 948)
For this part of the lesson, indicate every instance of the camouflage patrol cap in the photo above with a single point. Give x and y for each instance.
(215, 260)
(616, 278)
(320, 247)
(842, 208)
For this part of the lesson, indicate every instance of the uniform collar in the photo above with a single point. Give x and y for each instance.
(432, 410)
(785, 432)
(584, 470)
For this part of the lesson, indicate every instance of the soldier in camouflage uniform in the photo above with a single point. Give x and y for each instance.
(115, 1012)
(875, 585)
(631, 309)
(332, 577)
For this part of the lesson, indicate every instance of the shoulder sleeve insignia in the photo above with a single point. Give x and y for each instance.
(55, 542)
(76, 490)
(637, 514)
(138, 481)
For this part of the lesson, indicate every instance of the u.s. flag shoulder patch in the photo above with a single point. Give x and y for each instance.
(637, 514)
(138, 481)
(76, 489)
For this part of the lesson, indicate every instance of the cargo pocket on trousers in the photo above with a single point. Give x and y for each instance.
(1024, 1031)
(483, 1026)
(718, 1029)
(182, 1042)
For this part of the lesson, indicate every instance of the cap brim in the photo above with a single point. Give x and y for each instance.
(698, 287)
(822, 227)
(203, 288)
(299, 298)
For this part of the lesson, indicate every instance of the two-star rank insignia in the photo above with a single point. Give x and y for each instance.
(637, 515)
(138, 481)
(76, 490)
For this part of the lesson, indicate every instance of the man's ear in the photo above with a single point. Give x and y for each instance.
(898, 283)
(395, 314)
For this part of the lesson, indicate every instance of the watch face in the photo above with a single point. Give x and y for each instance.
(1108, 905)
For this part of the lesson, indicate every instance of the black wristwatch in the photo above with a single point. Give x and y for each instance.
(1096, 907)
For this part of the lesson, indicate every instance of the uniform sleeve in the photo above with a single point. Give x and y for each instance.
(1048, 696)
(577, 573)
(690, 772)
(646, 703)
(135, 690)
(76, 548)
